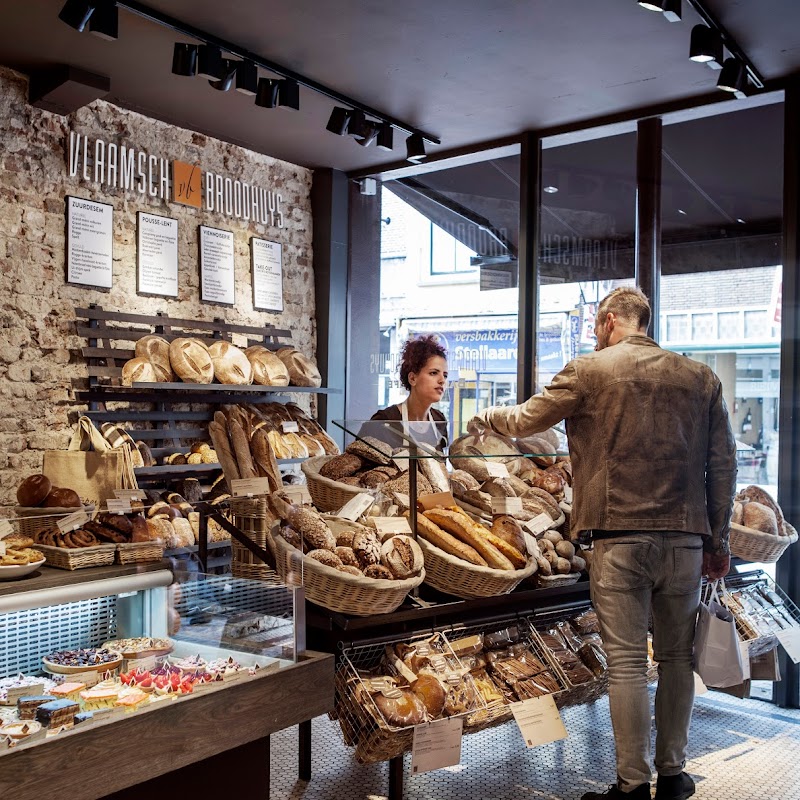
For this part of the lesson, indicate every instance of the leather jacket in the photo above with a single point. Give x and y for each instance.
(649, 439)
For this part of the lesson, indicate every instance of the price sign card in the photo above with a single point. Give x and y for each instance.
(402, 499)
(790, 639)
(119, 506)
(744, 649)
(392, 525)
(539, 721)
(506, 505)
(12, 695)
(539, 524)
(355, 507)
(250, 487)
(267, 267)
(129, 494)
(297, 493)
(531, 544)
(438, 500)
(90, 677)
(157, 255)
(142, 663)
(72, 522)
(6, 528)
(289, 427)
(2, 548)
(216, 266)
(401, 460)
(90, 242)
(496, 469)
(436, 745)
(567, 493)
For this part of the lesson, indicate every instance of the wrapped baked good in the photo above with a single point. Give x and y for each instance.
(231, 365)
(594, 657)
(587, 622)
(578, 674)
(431, 692)
(402, 709)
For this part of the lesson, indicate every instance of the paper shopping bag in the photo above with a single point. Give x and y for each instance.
(717, 656)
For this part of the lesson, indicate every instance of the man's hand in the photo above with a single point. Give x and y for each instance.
(716, 565)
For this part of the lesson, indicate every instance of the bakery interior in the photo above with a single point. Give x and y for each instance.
(218, 225)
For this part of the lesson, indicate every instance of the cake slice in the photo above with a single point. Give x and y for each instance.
(103, 695)
(70, 691)
(57, 713)
(26, 706)
(131, 698)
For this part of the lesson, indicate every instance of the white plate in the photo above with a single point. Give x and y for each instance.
(13, 571)
(14, 729)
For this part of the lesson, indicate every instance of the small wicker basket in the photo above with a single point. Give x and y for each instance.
(551, 581)
(459, 578)
(252, 518)
(99, 555)
(31, 521)
(327, 495)
(752, 545)
(139, 552)
(338, 591)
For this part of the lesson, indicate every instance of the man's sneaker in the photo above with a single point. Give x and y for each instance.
(674, 787)
(641, 792)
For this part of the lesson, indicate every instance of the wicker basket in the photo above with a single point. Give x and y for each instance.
(139, 552)
(251, 517)
(459, 578)
(338, 591)
(752, 545)
(551, 581)
(99, 555)
(31, 521)
(327, 495)
(486, 519)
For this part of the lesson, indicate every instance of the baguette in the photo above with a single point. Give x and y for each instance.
(444, 541)
(512, 553)
(264, 459)
(462, 528)
(219, 437)
(241, 450)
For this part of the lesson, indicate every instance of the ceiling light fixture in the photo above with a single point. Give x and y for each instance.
(371, 134)
(550, 189)
(289, 94)
(267, 93)
(385, 137)
(415, 148)
(184, 59)
(247, 78)
(671, 10)
(733, 77)
(77, 13)
(650, 5)
(209, 62)
(339, 121)
(705, 46)
(225, 81)
(358, 124)
(104, 23)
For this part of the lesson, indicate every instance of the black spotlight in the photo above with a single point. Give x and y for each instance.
(732, 78)
(339, 121)
(672, 10)
(415, 148)
(705, 45)
(225, 81)
(184, 59)
(105, 21)
(209, 62)
(267, 93)
(370, 134)
(358, 124)
(289, 94)
(247, 77)
(76, 13)
(386, 137)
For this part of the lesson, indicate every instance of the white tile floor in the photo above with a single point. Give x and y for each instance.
(739, 750)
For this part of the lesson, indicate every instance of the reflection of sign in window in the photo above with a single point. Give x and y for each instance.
(448, 255)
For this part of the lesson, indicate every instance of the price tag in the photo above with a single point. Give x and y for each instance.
(129, 494)
(2, 548)
(119, 506)
(90, 677)
(436, 745)
(141, 663)
(250, 487)
(355, 507)
(400, 459)
(403, 500)
(567, 493)
(539, 721)
(790, 639)
(438, 500)
(72, 522)
(6, 528)
(744, 649)
(496, 469)
(392, 525)
(531, 544)
(539, 524)
(297, 493)
(506, 505)
(14, 694)
(699, 686)
(290, 427)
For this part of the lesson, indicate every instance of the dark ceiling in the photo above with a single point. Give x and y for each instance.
(467, 72)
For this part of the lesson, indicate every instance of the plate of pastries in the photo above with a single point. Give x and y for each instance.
(20, 557)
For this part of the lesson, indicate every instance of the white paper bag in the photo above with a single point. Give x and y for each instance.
(717, 656)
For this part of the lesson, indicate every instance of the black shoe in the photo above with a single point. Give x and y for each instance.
(641, 792)
(674, 787)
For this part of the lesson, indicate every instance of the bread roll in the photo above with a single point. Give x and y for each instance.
(302, 370)
(401, 711)
(138, 370)
(62, 498)
(33, 490)
(190, 360)
(231, 365)
(268, 369)
(403, 556)
(156, 350)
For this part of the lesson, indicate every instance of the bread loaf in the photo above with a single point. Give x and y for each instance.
(403, 556)
(510, 531)
(33, 490)
(62, 498)
(513, 554)
(268, 369)
(440, 538)
(302, 370)
(219, 436)
(264, 459)
(760, 518)
(138, 370)
(156, 350)
(241, 449)
(757, 494)
(190, 360)
(462, 527)
(231, 365)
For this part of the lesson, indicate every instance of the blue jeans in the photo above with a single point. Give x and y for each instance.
(633, 575)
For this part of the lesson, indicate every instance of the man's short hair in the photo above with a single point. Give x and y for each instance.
(629, 304)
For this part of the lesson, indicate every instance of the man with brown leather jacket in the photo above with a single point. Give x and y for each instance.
(654, 474)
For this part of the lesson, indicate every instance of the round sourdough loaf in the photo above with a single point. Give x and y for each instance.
(231, 365)
(191, 361)
(302, 370)
(138, 370)
(156, 350)
(268, 369)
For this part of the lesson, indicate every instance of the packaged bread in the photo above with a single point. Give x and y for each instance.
(138, 370)
(268, 369)
(191, 361)
(156, 350)
(231, 365)
(302, 370)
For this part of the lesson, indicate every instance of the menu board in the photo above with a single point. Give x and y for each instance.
(90, 243)
(157, 255)
(216, 266)
(267, 260)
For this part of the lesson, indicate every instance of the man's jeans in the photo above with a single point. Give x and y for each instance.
(632, 575)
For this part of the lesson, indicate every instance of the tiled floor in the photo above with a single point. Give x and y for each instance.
(739, 750)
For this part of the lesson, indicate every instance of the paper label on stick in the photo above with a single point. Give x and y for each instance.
(531, 545)
(539, 524)
(72, 522)
(539, 721)
(402, 499)
(567, 493)
(436, 745)
(129, 494)
(250, 487)
(298, 493)
(506, 505)
(119, 506)
(393, 525)
(401, 460)
(496, 469)
(437, 500)
(6, 528)
(141, 663)
(90, 677)
(356, 506)
(2, 548)
(12, 695)
(290, 427)
(790, 639)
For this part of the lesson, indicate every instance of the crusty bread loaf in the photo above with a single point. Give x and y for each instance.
(264, 459)
(758, 495)
(138, 370)
(302, 370)
(403, 556)
(440, 538)
(268, 369)
(190, 361)
(510, 531)
(222, 445)
(241, 449)
(512, 553)
(231, 365)
(156, 350)
(461, 526)
(33, 490)
(760, 518)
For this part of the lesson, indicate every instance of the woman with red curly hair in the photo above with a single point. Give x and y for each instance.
(423, 372)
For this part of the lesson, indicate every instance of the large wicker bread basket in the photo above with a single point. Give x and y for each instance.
(753, 545)
(327, 495)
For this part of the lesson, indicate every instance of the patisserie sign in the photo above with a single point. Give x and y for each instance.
(118, 166)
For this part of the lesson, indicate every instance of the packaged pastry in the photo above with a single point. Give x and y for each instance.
(578, 674)
(553, 640)
(538, 686)
(469, 645)
(502, 638)
(569, 635)
(587, 622)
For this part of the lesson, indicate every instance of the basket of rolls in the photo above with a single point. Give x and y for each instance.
(466, 559)
(42, 505)
(351, 570)
(759, 531)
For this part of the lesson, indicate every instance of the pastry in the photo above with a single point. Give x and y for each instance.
(57, 713)
(402, 711)
(402, 556)
(378, 572)
(33, 490)
(131, 697)
(460, 698)
(430, 691)
(70, 691)
(103, 695)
